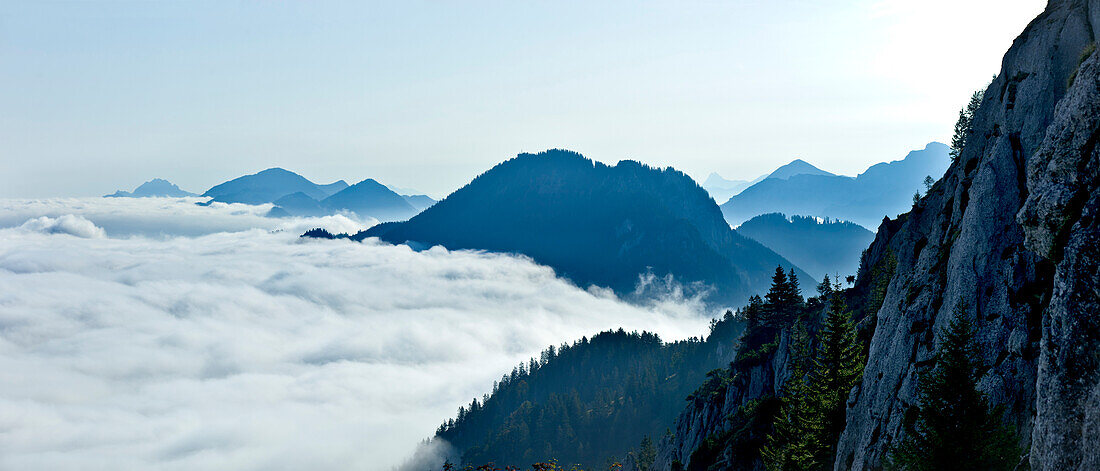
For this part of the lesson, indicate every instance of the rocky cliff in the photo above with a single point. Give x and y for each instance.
(1009, 234)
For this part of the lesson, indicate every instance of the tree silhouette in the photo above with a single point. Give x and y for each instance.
(954, 428)
(964, 126)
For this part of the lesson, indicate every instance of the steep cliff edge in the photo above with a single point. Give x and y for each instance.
(962, 246)
(1060, 222)
(1010, 235)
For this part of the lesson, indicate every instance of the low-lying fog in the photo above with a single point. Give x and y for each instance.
(156, 334)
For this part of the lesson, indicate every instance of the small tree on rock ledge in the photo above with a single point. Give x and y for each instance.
(954, 427)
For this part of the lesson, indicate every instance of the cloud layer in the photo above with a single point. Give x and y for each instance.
(259, 350)
(165, 217)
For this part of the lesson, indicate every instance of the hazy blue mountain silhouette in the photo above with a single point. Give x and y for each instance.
(596, 225)
(420, 202)
(885, 189)
(722, 190)
(825, 247)
(298, 204)
(334, 187)
(796, 167)
(268, 186)
(151, 188)
(370, 198)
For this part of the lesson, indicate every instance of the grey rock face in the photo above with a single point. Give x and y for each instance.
(1060, 222)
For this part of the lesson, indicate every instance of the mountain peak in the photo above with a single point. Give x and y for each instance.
(797, 167)
(581, 217)
(157, 187)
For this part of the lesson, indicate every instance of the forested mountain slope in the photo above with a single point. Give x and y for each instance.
(588, 403)
(596, 225)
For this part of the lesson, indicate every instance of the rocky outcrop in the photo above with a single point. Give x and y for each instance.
(1060, 222)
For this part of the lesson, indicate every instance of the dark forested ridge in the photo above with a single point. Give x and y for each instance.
(821, 247)
(587, 403)
(595, 224)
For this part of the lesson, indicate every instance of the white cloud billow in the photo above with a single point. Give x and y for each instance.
(259, 350)
(66, 224)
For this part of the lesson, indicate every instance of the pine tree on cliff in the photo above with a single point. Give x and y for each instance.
(783, 298)
(838, 365)
(965, 125)
(954, 427)
(792, 444)
(753, 313)
(825, 288)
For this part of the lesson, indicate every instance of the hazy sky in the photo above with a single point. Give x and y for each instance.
(100, 96)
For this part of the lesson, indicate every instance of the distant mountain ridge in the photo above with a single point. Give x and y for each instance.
(884, 189)
(369, 197)
(824, 247)
(722, 190)
(267, 186)
(153, 188)
(294, 195)
(797, 167)
(595, 224)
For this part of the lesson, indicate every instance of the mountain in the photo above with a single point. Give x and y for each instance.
(564, 403)
(420, 202)
(298, 204)
(797, 167)
(333, 188)
(821, 247)
(722, 190)
(1008, 238)
(294, 195)
(370, 198)
(151, 188)
(595, 225)
(268, 186)
(884, 190)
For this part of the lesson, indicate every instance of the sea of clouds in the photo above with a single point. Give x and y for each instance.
(156, 334)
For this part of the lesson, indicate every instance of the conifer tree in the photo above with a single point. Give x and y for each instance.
(954, 427)
(777, 290)
(838, 365)
(793, 291)
(825, 288)
(753, 313)
(647, 454)
(783, 299)
(964, 126)
(792, 444)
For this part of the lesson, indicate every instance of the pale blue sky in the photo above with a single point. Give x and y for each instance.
(96, 96)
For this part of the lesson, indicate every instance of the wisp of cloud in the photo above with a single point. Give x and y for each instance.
(254, 349)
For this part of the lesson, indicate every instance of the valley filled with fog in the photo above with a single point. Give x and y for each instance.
(153, 333)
